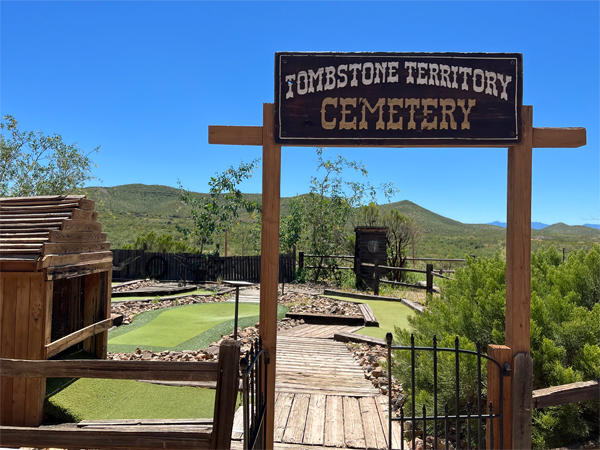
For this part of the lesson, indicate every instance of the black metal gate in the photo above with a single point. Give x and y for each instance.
(464, 416)
(254, 381)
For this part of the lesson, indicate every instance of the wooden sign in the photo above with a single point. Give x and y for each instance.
(414, 99)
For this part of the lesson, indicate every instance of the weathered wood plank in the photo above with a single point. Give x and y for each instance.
(75, 247)
(354, 433)
(502, 354)
(567, 393)
(315, 420)
(21, 341)
(114, 370)
(77, 270)
(81, 225)
(294, 431)
(7, 343)
(351, 337)
(374, 434)
(76, 236)
(36, 387)
(369, 316)
(522, 388)
(334, 422)
(77, 336)
(80, 214)
(138, 438)
(75, 258)
(282, 413)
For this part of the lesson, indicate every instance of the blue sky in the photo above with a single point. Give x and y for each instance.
(145, 79)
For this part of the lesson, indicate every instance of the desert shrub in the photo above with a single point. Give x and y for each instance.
(565, 333)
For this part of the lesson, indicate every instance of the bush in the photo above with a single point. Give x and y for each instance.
(565, 333)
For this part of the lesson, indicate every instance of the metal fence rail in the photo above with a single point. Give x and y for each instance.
(462, 422)
(254, 381)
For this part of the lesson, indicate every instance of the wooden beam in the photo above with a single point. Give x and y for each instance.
(522, 387)
(559, 137)
(139, 437)
(518, 271)
(567, 393)
(81, 225)
(518, 240)
(73, 258)
(77, 270)
(112, 370)
(234, 135)
(502, 354)
(76, 236)
(75, 247)
(542, 138)
(269, 268)
(76, 337)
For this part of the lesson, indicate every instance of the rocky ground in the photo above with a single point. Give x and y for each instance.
(133, 286)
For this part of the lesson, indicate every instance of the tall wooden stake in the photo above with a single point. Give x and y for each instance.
(518, 267)
(269, 262)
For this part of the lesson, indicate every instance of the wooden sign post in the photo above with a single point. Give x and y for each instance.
(373, 118)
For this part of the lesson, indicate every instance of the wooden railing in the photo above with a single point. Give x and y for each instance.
(567, 393)
(225, 373)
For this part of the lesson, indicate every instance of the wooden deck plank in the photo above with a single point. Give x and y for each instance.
(334, 422)
(315, 420)
(374, 434)
(354, 433)
(294, 431)
(283, 405)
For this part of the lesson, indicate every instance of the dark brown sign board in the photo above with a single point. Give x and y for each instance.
(413, 99)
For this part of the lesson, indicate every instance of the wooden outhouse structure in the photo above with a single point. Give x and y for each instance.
(370, 247)
(55, 278)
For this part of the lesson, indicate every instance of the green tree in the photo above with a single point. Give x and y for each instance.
(332, 202)
(165, 243)
(291, 226)
(32, 163)
(565, 333)
(216, 213)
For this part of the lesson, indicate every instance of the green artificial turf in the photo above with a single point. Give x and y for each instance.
(174, 326)
(389, 314)
(146, 297)
(205, 322)
(97, 399)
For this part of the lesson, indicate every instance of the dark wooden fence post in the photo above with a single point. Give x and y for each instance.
(226, 394)
(300, 261)
(375, 279)
(429, 278)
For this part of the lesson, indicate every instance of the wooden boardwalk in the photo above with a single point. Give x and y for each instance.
(317, 331)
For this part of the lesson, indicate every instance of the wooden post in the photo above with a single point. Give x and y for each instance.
(375, 279)
(226, 394)
(502, 354)
(429, 277)
(269, 259)
(300, 261)
(518, 261)
(522, 393)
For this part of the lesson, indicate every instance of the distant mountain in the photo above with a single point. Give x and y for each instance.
(498, 224)
(592, 225)
(563, 228)
(534, 225)
(128, 210)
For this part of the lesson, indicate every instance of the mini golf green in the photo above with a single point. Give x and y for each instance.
(389, 314)
(97, 399)
(169, 328)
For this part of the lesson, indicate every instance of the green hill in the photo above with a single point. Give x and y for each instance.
(128, 210)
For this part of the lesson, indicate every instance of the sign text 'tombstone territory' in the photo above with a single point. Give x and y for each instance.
(414, 99)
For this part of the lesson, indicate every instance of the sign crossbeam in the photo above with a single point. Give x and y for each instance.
(542, 138)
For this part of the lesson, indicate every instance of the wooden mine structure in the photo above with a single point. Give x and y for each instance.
(55, 273)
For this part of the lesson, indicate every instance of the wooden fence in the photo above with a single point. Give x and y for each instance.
(135, 264)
